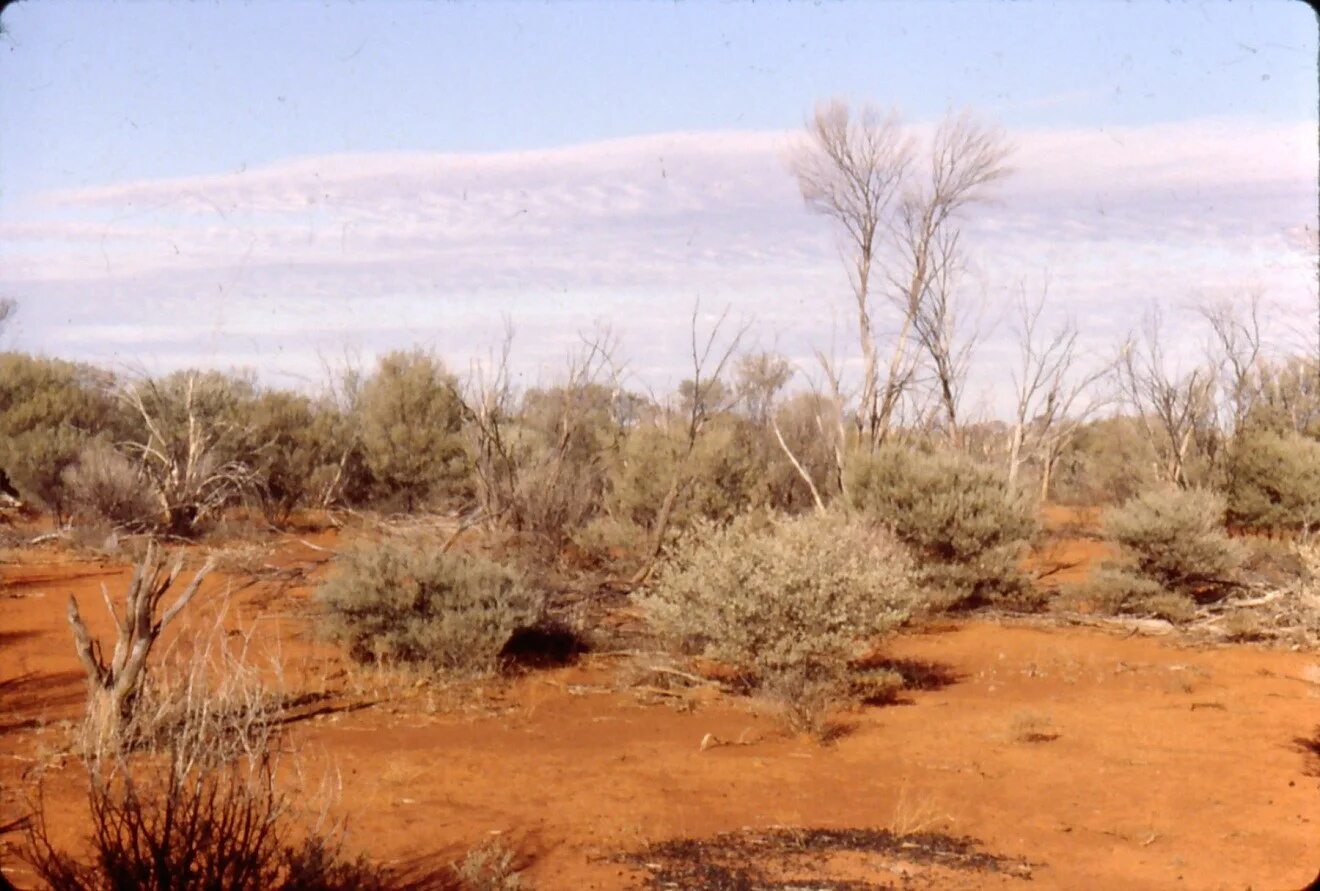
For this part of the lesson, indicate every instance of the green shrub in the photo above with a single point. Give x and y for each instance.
(410, 417)
(294, 449)
(717, 481)
(788, 602)
(963, 524)
(1106, 463)
(1175, 538)
(49, 409)
(1273, 482)
(412, 603)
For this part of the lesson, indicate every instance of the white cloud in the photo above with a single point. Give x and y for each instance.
(390, 249)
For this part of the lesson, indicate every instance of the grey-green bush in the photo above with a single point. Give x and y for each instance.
(788, 602)
(410, 416)
(49, 409)
(1273, 482)
(1176, 539)
(103, 485)
(963, 524)
(411, 603)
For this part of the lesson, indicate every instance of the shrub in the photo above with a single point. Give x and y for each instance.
(788, 602)
(103, 485)
(1114, 590)
(294, 448)
(453, 612)
(1175, 539)
(717, 480)
(48, 411)
(410, 417)
(1273, 482)
(963, 523)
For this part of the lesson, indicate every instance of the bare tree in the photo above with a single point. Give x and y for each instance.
(708, 365)
(116, 683)
(851, 169)
(1170, 406)
(1236, 353)
(945, 336)
(1052, 401)
(181, 453)
(8, 306)
(859, 170)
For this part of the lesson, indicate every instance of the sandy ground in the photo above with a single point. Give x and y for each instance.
(1082, 758)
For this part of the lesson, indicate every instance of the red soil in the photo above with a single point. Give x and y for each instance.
(1104, 761)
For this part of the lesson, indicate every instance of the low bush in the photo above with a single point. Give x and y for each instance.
(401, 602)
(1114, 590)
(105, 486)
(964, 525)
(790, 603)
(194, 826)
(1273, 482)
(182, 794)
(1175, 539)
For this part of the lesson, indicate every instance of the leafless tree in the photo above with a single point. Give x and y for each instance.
(860, 170)
(116, 683)
(180, 455)
(1170, 406)
(8, 306)
(851, 169)
(1236, 353)
(945, 335)
(1052, 400)
(708, 365)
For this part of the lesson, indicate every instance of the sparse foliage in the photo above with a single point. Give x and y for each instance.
(115, 683)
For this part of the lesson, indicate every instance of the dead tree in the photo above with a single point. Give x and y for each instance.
(1236, 353)
(943, 334)
(899, 231)
(1170, 406)
(707, 367)
(115, 684)
(852, 169)
(1051, 402)
(181, 454)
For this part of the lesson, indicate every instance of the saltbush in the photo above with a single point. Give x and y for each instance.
(412, 603)
(1176, 539)
(790, 603)
(1273, 482)
(964, 525)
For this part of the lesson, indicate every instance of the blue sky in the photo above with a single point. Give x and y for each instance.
(201, 108)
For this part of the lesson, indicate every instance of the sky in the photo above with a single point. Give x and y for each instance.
(270, 185)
